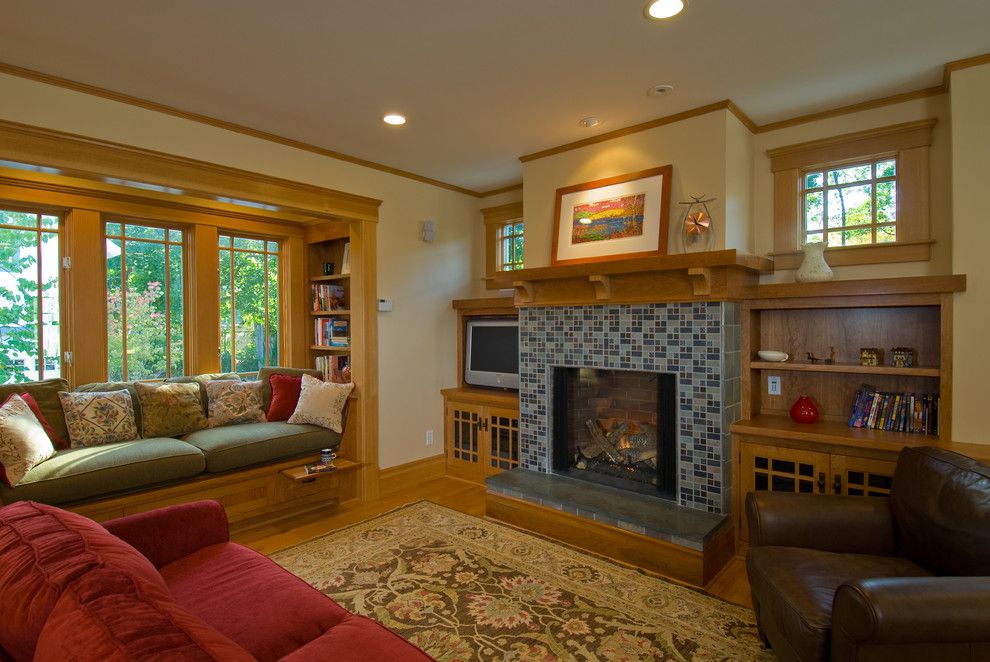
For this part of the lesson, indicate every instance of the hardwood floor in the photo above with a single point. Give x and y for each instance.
(730, 584)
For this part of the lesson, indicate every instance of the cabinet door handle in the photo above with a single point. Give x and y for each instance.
(837, 484)
(821, 482)
(483, 424)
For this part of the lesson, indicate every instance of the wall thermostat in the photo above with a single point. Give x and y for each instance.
(385, 305)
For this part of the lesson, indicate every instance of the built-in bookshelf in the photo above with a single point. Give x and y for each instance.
(331, 321)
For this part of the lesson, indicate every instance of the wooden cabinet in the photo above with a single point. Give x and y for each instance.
(834, 320)
(481, 432)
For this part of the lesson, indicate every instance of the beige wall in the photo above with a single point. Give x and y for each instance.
(417, 339)
(695, 147)
(970, 112)
(940, 203)
(738, 217)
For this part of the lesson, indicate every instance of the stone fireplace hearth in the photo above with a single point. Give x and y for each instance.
(696, 343)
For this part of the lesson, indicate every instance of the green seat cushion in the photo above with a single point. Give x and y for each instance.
(75, 474)
(235, 446)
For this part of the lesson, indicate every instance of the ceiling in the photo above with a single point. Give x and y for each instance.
(483, 83)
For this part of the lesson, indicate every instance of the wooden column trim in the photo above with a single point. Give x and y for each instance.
(85, 324)
(202, 300)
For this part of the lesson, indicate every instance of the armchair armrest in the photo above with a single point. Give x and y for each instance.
(912, 612)
(168, 534)
(842, 524)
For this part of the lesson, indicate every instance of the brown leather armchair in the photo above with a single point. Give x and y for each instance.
(854, 578)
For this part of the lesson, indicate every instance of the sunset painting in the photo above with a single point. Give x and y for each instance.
(608, 219)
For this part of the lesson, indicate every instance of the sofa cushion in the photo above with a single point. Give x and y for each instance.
(230, 402)
(99, 417)
(45, 393)
(170, 410)
(285, 395)
(104, 387)
(242, 445)
(255, 602)
(201, 381)
(793, 589)
(44, 550)
(358, 639)
(941, 502)
(23, 442)
(109, 616)
(322, 403)
(75, 474)
(266, 387)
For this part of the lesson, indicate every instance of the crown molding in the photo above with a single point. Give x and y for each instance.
(93, 90)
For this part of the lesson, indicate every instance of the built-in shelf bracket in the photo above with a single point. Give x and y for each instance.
(524, 290)
(701, 280)
(603, 287)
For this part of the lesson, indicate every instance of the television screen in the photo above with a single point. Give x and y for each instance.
(492, 353)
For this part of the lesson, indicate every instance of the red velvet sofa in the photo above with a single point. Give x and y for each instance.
(164, 585)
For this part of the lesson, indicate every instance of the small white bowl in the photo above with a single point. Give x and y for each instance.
(771, 355)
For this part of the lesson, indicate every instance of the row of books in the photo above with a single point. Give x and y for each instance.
(898, 412)
(331, 332)
(335, 368)
(328, 297)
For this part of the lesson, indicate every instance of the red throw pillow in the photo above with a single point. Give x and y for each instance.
(58, 441)
(45, 550)
(285, 396)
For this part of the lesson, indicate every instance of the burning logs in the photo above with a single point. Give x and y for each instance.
(622, 442)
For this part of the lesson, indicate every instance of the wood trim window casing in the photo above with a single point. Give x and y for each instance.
(908, 142)
(494, 219)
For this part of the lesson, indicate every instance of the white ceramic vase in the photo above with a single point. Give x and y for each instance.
(814, 268)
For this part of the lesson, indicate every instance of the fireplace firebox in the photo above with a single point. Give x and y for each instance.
(616, 427)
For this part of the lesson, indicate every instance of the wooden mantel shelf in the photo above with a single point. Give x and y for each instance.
(712, 276)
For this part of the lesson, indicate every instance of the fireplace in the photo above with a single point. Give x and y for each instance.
(697, 342)
(616, 427)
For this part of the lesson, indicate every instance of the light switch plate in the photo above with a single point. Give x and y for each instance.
(773, 385)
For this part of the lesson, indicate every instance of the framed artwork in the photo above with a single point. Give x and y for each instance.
(611, 219)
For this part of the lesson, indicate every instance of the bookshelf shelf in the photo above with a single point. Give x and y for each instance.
(846, 368)
(329, 313)
(830, 432)
(324, 279)
(329, 348)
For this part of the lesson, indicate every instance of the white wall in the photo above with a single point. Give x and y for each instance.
(971, 310)
(417, 341)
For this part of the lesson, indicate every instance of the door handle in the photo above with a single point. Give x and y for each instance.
(837, 484)
(821, 482)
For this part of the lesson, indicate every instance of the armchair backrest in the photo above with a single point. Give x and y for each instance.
(941, 505)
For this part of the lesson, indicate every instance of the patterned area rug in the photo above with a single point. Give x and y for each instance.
(463, 588)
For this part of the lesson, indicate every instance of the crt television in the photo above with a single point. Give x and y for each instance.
(491, 354)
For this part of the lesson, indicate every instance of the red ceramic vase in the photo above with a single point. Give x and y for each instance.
(804, 410)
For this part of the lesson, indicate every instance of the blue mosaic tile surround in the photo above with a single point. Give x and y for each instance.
(697, 341)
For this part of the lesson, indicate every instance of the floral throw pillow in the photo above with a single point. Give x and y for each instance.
(99, 417)
(170, 410)
(321, 403)
(231, 402)
(23, 442)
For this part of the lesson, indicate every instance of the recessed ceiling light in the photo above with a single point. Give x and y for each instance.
(660, 90)
(589, 122)
(394, 119)
(663, 8)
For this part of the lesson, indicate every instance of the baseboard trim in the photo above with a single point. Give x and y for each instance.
(404, 476)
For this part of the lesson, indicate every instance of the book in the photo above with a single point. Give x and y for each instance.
(327, 296)
(320, 468)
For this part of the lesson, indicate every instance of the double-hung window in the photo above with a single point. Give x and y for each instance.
(249, 303)
(851, 205)
(504, 239)
(145, 338)
(30, 338)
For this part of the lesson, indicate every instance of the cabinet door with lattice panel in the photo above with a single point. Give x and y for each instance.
(858, 476)
(773, 469)
(464, 439)
(503, 431)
